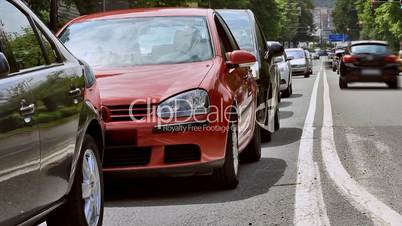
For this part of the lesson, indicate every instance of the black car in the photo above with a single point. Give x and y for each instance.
(368, 61)
(249, 36)
(337, 59)
(51, 136)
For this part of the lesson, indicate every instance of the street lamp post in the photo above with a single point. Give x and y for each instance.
(320, 28)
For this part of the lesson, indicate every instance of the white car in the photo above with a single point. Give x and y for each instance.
(310, 61)
(285, 70)
(299, 62)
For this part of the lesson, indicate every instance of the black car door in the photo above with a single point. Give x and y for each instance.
(58, 91)
(56, 84)
(19, 135)
(240, 83)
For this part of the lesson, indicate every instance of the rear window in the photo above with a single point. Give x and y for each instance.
(240, 25)
(296, 54)
(370, 49)
(139, 41)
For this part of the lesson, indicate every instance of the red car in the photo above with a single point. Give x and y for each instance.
(177, 94)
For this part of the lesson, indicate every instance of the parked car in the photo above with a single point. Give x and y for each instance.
(315, 56)
(299, 62)
(178, 95)
(369, 61)
(322, 53)
(285, 69)
(247, 32)
(337, 59)
(309, 62)
(51, 137)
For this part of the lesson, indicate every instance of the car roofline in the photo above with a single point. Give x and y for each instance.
(363, 42)
(143, 12)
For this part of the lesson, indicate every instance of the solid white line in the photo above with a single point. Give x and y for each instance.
(309, 202)
(359, 197)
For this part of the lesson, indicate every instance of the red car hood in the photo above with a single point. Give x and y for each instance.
(121, 86)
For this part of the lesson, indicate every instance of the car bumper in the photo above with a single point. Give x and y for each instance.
(299, 70)
(144, 148)
(356, 74)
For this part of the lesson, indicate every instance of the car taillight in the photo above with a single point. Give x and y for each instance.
(106, 114)
(349, 59)
(391, 59)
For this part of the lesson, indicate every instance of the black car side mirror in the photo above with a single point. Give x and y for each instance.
(4, 66)
(276, 49)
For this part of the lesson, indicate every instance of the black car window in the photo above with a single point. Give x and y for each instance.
(223, 38)
(21, 38)
(240, 26)
(225, 31)
(370, 49)
(262, 44)
(51, 51)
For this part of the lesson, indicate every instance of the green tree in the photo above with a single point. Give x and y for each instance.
(345, 18)
(388, 24)
(268, 15)
(289, 19)
(306, 24)
(382, 21)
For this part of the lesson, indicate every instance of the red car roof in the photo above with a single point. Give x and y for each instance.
(146, 12)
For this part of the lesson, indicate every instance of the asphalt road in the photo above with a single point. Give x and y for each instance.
(335, 161)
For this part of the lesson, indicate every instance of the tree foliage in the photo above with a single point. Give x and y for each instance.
(345, 18)
(382, 21)
(279, 19)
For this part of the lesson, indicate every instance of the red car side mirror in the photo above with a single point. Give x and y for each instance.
(241, 58)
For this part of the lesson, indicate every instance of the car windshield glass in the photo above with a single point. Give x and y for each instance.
(240, 25)
(296, 54)
(370, 49)
(139, 41)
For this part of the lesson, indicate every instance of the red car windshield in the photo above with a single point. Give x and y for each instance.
(139, 41)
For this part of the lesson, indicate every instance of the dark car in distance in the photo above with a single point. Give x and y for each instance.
(249, 35)
(369, 61)
(51, 135)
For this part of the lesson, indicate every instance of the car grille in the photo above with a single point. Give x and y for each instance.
(122, 112)
(182, 153)
(127, 156)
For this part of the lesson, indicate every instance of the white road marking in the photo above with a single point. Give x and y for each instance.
(309, 203)
(359, 197)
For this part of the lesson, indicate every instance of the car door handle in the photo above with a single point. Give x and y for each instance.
(27, 110)
(75, 92)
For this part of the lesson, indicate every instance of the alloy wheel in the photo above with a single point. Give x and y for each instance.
(235, 149)
(91, 188)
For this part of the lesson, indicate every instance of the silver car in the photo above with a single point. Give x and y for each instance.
(285, 70)
(310, 61)
(299, 62)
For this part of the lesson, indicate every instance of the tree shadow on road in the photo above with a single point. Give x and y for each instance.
(255, 179)
(284, 104)
(296, 95)
(284, 136)
(285, 114)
